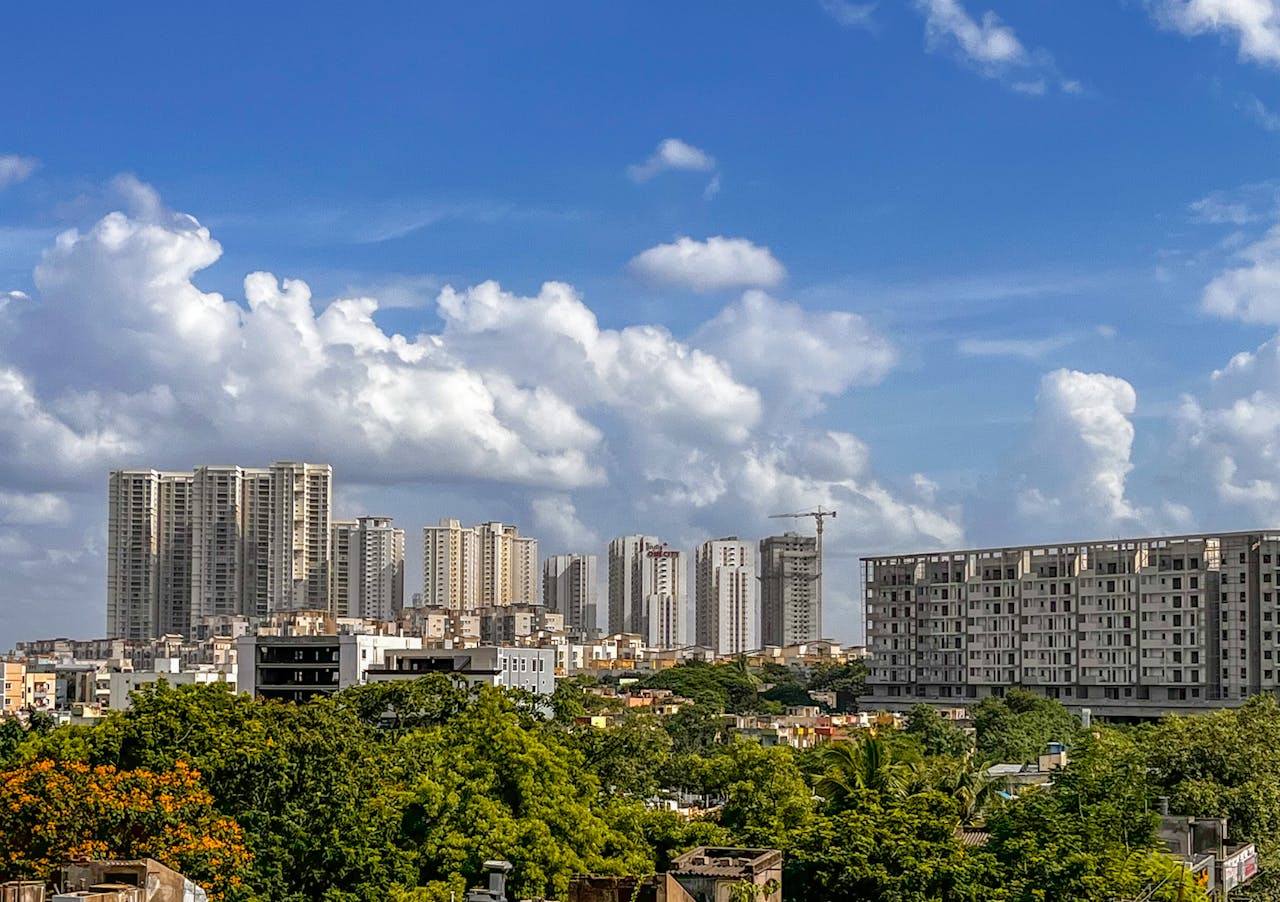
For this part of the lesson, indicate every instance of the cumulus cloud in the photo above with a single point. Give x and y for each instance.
(709, 265)
(524, 401)
(1253, 24)
(1081, 442)
(991, 48)
(1067, 478)
(1251, 290)
(1233, 431)
(672, 155)
(14, 169)
(796, 356)
(558, 527)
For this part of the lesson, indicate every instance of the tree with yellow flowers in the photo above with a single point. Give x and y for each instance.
(54, 811)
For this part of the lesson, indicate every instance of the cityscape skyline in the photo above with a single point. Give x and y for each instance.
(186, 547)
(922, 263)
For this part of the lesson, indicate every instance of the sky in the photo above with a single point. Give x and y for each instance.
(970, 272)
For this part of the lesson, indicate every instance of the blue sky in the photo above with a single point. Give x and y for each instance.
(964, 270)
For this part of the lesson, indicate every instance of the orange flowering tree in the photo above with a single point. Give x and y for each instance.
(53, 811)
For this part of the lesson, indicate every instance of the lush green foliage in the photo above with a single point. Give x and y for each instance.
(937, 735)
(400, 791)
(720, 687)
(1017, 727)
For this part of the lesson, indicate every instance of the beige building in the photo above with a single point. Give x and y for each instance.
(467, 567)
(726, 600)
(790, 604)
(13, 680)
(1122, 626)
(301, 508)
(450, 566)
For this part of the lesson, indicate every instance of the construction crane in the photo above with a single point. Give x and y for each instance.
(820, 514)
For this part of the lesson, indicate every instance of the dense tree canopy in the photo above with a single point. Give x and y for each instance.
(401, 791)
(1017, 727)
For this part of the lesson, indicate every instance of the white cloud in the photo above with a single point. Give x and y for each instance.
(672, 154)
(1259, 112)
(523, 403)
(851, 15)
(709, 265)
(1233, 431)
(14, 169)
(33, 508)
(1237, 206)
(1067, 479)
(1250, 291)
(796, 356)
(992, 48)
(1255, 24)
(558, 527)
(1029, 348)
(1081, 441)
(641, 373)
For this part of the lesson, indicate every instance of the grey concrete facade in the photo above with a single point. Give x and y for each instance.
(1122, 627)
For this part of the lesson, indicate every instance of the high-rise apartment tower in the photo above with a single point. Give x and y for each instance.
(569, 587)
(790, 610)
(726, 605)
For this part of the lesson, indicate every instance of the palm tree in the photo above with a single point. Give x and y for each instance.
(971, 787)
(864, 765)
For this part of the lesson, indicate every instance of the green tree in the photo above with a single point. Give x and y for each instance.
(697, 728)
(722, 687)
(1223, 764)
(629, 759)
(1090, 836)
(881, 852)
(937, 735)
(764, 794)
(1017, 727)
(851, 770)
(488, 785)
(848, 681)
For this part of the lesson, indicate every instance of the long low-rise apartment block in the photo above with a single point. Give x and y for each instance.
(1128, 627)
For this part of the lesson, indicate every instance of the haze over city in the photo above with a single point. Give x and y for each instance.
(970, 273)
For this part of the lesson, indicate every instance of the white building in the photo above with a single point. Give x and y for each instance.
(663, 586)
(367, 568)
(301, 508)
(626, 599)
(296, 668)
(727, 604)
(569, 587)
(171, 671)
(790, 609)
(507, 667)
